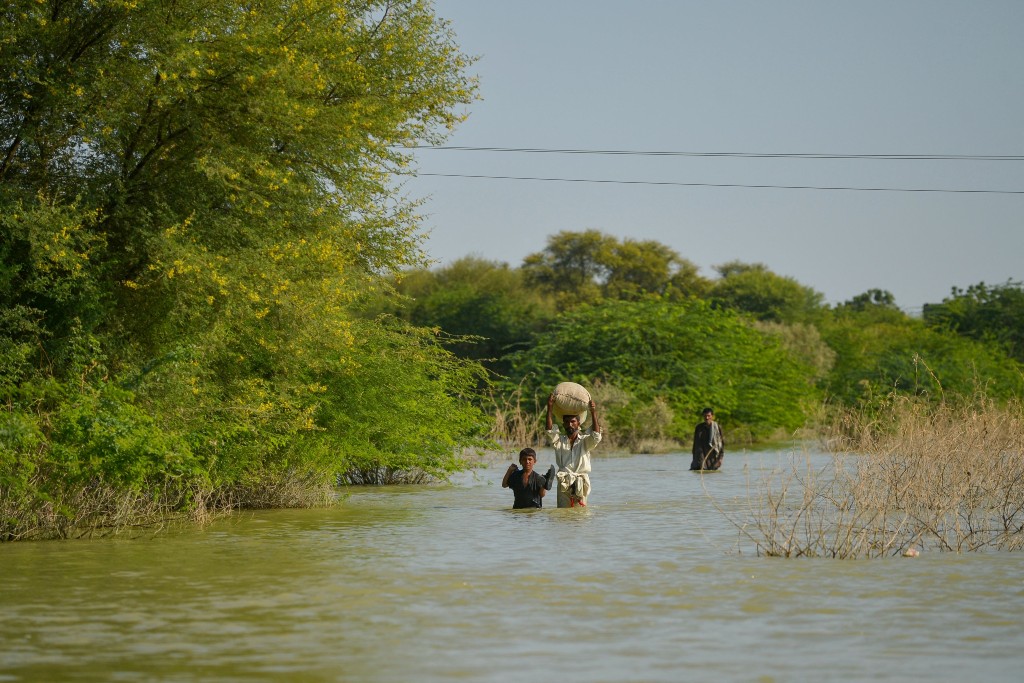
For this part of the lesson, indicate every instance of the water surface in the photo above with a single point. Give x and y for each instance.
(652, 582)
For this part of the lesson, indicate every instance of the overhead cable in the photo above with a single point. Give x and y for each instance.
(744, 155)
(678, 184)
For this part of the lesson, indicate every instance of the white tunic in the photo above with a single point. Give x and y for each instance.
(573, 461)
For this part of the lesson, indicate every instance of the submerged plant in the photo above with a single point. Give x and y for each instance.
(919, 478)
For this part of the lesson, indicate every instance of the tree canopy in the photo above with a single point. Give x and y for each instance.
(754, 289)
(990, 313)
(585, 266)
(194, 197)
(862, 350)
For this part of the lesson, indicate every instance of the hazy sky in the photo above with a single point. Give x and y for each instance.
(758, 77)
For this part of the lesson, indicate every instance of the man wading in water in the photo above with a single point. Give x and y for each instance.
(708, 444)
(572, 455)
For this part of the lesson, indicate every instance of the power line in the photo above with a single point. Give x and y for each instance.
(676, 184)
(743, 155)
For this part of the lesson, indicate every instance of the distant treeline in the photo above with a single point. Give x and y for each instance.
(657, 342)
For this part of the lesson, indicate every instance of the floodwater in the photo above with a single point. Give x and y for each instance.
(652, 582)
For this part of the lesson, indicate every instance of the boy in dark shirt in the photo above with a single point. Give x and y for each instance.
(527, 486)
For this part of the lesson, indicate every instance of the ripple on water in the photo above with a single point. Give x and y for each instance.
(652, 582)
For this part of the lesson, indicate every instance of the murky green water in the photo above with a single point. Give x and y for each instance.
(447, 583)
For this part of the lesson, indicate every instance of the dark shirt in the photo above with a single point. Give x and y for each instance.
(528, 495)
(708, 447)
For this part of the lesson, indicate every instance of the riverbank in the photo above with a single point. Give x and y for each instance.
(905, 476)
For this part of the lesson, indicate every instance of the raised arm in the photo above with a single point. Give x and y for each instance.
(551, 403)
(512, 469)
(593, 416)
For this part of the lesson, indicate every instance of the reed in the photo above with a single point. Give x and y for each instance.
(515, 426)
(909, 478)
(383, 476)
(98, 509)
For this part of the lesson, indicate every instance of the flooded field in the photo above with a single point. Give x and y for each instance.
(652, 582)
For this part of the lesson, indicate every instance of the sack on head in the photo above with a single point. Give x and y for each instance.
(571, 399)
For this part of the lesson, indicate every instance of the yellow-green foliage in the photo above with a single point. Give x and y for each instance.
(193, 196)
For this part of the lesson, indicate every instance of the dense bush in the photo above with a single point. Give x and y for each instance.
(876, 359)
(686, 354)
(194, 198)
(992, 314)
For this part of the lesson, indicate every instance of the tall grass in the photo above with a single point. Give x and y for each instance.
(909, 477)
(97, 509)
(516, 426)
(100, 510)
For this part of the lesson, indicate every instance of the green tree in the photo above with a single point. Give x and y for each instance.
(573, 265)
(194, 196)
(585, 266)
(183, 133)
(993, 314)
(752, 288)
(485, 305)
(639, 268)
(686, 355)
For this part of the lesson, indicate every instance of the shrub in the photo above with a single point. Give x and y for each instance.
(684, 355)
(915, 477)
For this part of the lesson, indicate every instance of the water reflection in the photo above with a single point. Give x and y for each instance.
(440, 583)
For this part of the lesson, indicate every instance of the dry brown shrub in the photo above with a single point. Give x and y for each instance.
(912, 478)
(516, 425)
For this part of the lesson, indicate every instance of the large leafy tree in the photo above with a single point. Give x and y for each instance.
(484, 306)
(639, 268)
(574, 265)
(754, 289)
(588, 265)
(193, 196)
(182, 135)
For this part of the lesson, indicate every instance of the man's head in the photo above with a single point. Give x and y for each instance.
(528, 458)
(571, 424)
(709, 415)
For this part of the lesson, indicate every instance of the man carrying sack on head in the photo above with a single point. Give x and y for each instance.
(572, 450)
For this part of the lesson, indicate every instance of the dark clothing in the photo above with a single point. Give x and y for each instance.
(708, 447)
(527, 496)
